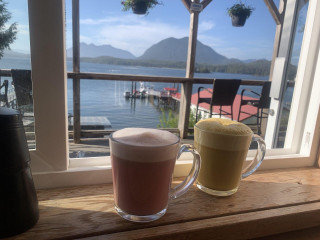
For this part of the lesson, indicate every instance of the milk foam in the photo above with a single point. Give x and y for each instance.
(144, 145)
(145, 137)
(224, 126)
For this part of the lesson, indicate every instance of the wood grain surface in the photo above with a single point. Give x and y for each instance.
(267, 203)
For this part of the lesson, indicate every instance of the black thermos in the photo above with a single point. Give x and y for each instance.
(18, 198)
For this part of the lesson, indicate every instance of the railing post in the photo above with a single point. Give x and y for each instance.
(186, 88)
(76, 69)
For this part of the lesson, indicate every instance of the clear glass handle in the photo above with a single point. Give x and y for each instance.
(261, 151)
(192, 176)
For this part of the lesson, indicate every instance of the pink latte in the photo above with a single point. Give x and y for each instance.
(142, 161)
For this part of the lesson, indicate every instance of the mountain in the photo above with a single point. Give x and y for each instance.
(167, 50)
(91, 50)
(176, 50)
(172, 53)
(14, 54)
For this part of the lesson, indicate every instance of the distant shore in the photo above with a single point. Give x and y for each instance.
(255, 68)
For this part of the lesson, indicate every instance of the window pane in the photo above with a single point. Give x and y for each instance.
(118, 42)
(111, 36)
(111, 105)
(224, 48)
(292, 71)
(16, 62)
(113, 41)
(228, 52)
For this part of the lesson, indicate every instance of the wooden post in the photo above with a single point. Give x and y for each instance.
(186, 88)
(135, 89)
(275, 13)
(132, 89)
(76, 69)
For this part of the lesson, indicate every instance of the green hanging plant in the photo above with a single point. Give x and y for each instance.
(239, 13)
(139, 6)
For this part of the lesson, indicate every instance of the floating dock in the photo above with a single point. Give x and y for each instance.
(92, 122)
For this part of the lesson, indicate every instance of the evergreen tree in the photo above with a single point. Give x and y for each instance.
(7, 35)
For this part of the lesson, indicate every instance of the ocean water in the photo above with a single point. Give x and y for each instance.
(105, 98)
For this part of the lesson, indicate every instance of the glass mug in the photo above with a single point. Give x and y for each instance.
(142, 166)
(223, 146)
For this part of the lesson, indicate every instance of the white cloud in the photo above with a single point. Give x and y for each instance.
(205, 26)
(113, 20)
(136, 34)
(129, 32)
(23, 29)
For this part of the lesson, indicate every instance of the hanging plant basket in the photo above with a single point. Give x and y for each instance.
(139, 8)
(238, 21)
(239, 13)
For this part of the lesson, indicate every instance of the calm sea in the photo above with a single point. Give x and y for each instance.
(105, 98)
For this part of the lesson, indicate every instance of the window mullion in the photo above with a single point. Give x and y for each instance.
(47, 40)
(278, 75)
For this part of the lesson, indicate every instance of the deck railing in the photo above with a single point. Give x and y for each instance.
(77, 132)
(124, 77)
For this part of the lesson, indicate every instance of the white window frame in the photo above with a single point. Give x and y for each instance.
(279, 72)
(50, 162)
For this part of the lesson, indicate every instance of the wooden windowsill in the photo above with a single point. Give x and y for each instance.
(267, 203)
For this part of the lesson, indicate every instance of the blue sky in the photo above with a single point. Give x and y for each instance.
(103, 22)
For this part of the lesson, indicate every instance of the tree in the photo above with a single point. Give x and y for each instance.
(7, 35)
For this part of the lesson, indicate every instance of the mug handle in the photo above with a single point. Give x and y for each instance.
(255, 163)
(184, 186)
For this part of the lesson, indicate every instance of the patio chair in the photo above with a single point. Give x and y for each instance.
(4, 96)
(222, 94)
(23, 89)
(263, 102)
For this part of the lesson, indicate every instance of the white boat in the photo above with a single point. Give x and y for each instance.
(143, 90)
(142, 87)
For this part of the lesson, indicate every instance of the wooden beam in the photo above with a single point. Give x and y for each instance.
(205, 3)
(126, 77)
(76, 68)
(186, 88)
(76, 35)
(76, 110)
(274, 11)
(187, 4)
